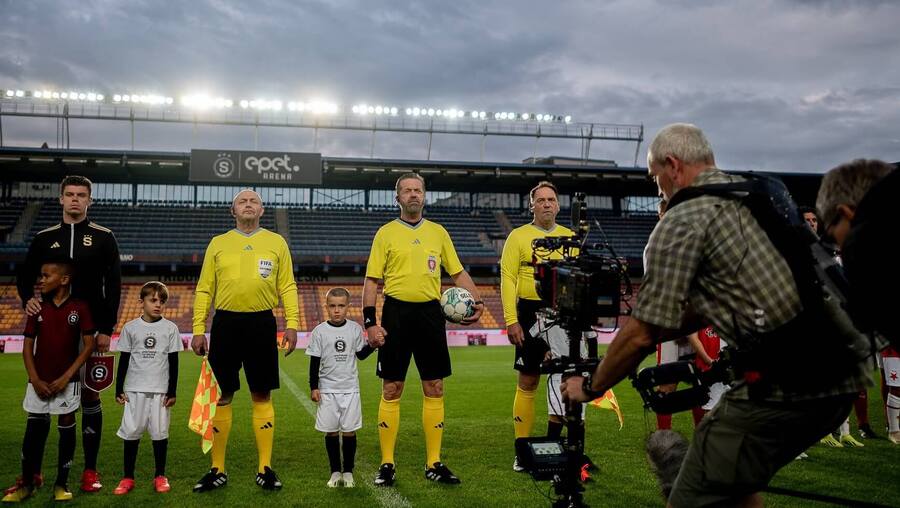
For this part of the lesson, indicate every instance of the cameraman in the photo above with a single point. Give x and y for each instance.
(857, 201)
(709, 260)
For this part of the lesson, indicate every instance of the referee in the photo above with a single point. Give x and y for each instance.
(245, 272)
(407, 254)
(521, 301)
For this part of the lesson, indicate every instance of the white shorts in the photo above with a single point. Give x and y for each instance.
(339, 412)
(555, 406)
(144, 412)
(891, 370)
(62, 403)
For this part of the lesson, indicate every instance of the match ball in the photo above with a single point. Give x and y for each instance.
(457, 304)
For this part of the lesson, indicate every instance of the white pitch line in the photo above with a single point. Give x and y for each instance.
(387, 497)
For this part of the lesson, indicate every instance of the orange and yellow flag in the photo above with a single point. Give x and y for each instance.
(203, 408)
(608, 401)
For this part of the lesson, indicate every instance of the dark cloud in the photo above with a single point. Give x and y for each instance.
(786, 85)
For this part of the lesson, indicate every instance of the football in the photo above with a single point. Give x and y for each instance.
(457, 304)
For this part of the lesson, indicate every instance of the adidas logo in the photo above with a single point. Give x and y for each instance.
(439, 426)
(248, 247)
(268, 425)
(55, 245)
(517, 419)
(88, 430)
(383, 425)
(520, 362)
(64, 404)
(215, 430)
(416, 242)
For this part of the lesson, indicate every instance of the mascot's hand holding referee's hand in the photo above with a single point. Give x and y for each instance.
(198, 344)
(289, 341)
(479, 309)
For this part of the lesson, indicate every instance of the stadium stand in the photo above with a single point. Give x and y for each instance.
(181, 300)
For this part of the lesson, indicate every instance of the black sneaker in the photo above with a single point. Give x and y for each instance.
(213, 479)
(385, 476)
(440, 473)
(268, 480)
(867, 433)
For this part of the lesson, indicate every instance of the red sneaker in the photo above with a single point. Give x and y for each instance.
(124, 487)
(36, 483)
(90, 481)
(161, 484)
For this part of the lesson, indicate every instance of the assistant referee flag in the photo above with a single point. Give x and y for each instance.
(203, 408)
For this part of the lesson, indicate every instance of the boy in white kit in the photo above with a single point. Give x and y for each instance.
(334, 347)
(148, 348)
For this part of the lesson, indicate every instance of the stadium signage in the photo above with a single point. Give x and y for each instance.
(233, 166)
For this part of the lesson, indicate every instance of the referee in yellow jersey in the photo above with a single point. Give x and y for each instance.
(521, 301)
(245, 272)
(407, 254)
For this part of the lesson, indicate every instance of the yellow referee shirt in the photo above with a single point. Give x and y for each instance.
(246, 273)
(409, 259)
(516, 272)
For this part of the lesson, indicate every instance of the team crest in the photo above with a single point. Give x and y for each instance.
(265, 268)
(340, 346)
(149, 342)
(87, 241)
(432, 263)
(99, 372)
(73, 318)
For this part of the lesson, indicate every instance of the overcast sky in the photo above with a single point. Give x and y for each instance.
(777, 85)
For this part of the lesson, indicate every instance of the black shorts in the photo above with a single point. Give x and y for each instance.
(531, 354)
(248, 340)
(413, 329)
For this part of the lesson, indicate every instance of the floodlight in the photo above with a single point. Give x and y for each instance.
(20, 93)
(568, 119)
(524, 116)
(394, 111)
(10, 93)
(379, 110)
(244, 104)
(36, 94)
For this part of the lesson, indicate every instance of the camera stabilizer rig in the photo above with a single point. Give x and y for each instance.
(580, 284)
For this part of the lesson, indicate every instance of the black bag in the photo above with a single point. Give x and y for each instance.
(820, 347)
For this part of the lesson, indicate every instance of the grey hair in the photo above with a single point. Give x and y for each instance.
(847, 184)
(409, 176)
(684, 141)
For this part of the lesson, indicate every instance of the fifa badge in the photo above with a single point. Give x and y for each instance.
(265, 268)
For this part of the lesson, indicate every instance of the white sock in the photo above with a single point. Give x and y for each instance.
(845, 427)
(893, 412)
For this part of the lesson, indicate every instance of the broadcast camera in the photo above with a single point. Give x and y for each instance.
(579, 283)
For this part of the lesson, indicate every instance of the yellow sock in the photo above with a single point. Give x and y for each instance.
(264, 428)
(388, 426)
(221, 428)
(523, 412)
(433, 423)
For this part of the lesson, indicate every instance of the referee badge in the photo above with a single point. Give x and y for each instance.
(265, 268)
(432, 263)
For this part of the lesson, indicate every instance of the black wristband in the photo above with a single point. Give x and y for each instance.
(369, 317)
(589, 391)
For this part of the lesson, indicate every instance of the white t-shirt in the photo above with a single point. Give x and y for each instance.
(149, 345)
(337, 347)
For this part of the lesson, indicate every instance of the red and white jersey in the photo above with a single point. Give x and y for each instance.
(712, 344)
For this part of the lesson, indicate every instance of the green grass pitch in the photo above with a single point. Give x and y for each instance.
(477, 446)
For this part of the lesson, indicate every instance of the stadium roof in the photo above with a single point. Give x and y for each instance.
(142, 167)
